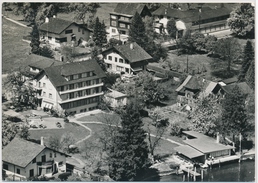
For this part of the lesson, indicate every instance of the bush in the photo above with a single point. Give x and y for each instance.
(66, 120)
(176, 129)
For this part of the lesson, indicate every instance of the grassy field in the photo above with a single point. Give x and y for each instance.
(78, 132)
(14, 50)
(101, 117)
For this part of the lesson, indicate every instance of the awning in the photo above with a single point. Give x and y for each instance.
(188, 151)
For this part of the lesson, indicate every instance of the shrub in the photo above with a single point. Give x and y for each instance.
(176, 129)
(66, 120)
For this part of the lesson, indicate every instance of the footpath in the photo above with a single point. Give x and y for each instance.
(14, 21)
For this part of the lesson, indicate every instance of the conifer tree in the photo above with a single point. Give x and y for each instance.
(250, 75)
(248, 57)
(99, 33)
(35, 40)
(103, 33)
(137, 31)
(128, 155)
(234, 117)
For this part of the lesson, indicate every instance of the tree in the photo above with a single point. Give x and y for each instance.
(35, 40)
(113, 42)
(210, 43)
(137, 31)
(247, 60)
(46, 52)
(95, 55)
(24, 132)
(99, 33)
(205, 115)
(153, 6)
(157, 127)
(68, 52)
(171, 28)
(250, 75)
(54, 143)
(241, 20)
(128, 155)
(46, 10)
(229, 49)
(67, 140)
(9, 130)
(149, 28)
(234, 117)
(186, 43)
(103, 33)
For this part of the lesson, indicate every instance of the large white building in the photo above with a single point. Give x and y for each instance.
(73, 87)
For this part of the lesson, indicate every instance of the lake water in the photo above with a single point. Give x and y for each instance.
(232, 172)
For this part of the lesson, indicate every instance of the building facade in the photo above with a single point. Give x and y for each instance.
(121, 16)
(57, 31)
(23, 159)
(73, 87)
(128, 58)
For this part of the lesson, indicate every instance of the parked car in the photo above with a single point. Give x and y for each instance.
(58, 124)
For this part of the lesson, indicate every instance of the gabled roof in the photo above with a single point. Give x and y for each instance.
(133, 55)
(230, 80)
(243, 87)
(21, 152)
(188, 151)
(192, 15)
(184, 83)
(129, 8)
(41, 62)
(193, 84)
(56, 73)
(115, 94)
(55, 25)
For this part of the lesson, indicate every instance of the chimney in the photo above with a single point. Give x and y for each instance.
(54, 16)
(42, 141)
(217, 140)
(200, 10)
(166, 11)
(46, 20)
(131, 46)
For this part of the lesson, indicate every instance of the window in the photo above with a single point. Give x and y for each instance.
(44, 94)
(44, 85)
(126, 70)
(18, 171)
(71, 86)
(97, 81)
(34, 160)
(97, 90)
(62, 88)
(88, 74)
(79, 76)
(71, 77)
(87, 83)
(60, 163)
(119, 68)
(55, 155)
(115, 59)
(79, 93)
(79, 29)
(49, 38)
(82, 31)
(31, 172)
(113, 30)
(84, 75)
(5, 166)
(122, 25)
(109, 57)
(71, 95)
(39, 84)
(121, 60)
(124, 18)
(113, 17)
(113, 23)
(50, 155)
(50, 95)
(88, 92)
(80, 85)
(49, 170)
(69, 31)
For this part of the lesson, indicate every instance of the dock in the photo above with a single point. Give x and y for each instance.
(191, 172)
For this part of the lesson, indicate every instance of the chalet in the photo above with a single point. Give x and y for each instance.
(121, 16)
(57, 31)
(116, 98)
(128, 58)
(243, 87)
(73, 87)
(200, 147)
(192, 88)
(24, 159)
(202, 19)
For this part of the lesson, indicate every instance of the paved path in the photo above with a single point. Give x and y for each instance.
(14, 21)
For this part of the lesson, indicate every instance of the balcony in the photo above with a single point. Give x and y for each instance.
(45, 164)
(80, 98)
(82, 88)
(37, 87)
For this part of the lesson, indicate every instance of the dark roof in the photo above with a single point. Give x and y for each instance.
(56, 73)
(41, 62)
(193, 84)
(132, 55)
(243, 87)
(21, 152)
(188, 151)
(192, 15)
(129, 8)
(230, 80)
(57, 25)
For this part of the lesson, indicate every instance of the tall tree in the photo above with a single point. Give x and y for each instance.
(247, 60)
(99, 33)
(171, 28)
(234, 117)
(150, 31)
(103, 33)
(137, 31)
(229, 49)
(46, 51)
(128, 155)
(35, 40)
(250, 75)
(241, 20)
(95, 55)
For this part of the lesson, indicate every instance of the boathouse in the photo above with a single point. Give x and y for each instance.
(200, 147)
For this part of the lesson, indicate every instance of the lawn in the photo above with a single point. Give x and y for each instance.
(78, 132)
(14, 50)
(101, 117)
(164, 148)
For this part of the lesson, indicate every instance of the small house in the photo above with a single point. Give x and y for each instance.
(116, 98)
(57, 31)
(24, 159)
(128, 58)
